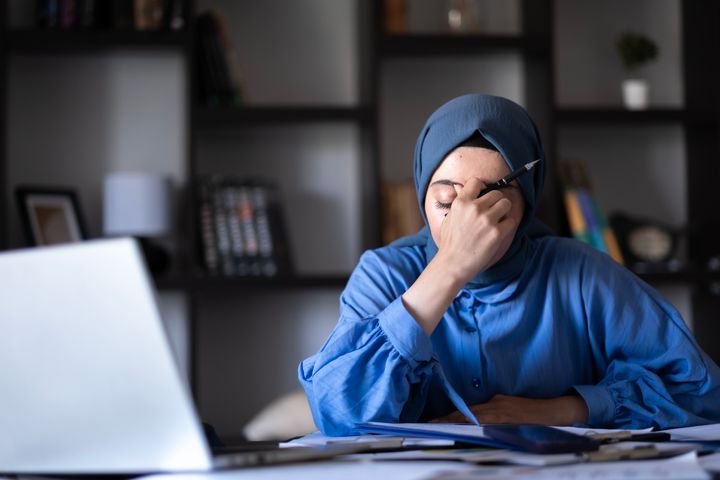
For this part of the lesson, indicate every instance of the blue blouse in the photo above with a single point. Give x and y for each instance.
(572, 321)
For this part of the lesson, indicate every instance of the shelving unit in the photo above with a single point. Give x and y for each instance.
(32, 41)
(376, 54)
(204, 284)
(617, 116)
(216, 117)
(696, 123)
(416, 45)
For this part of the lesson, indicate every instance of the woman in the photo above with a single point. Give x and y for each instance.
(483, 309)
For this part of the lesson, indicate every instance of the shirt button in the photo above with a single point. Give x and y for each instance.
(470, 329)
(476, 383)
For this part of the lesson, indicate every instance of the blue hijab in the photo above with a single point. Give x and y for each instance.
(508, 127)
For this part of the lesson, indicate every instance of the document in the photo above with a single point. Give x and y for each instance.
(700, 433)
(684, 467)
(380, 441)
(466, 432)
(609, 452)
(458, 432)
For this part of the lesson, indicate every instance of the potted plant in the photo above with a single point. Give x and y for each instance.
(636, 50)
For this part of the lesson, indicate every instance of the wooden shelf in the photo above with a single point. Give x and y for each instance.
(82, 41)
(621, 116)
(205, 283)
(688, 277)
(212, 117)
(444, 45)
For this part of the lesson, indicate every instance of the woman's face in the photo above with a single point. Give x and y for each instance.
(457, 168)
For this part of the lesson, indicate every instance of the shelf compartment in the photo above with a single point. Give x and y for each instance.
(436, 45)
(79, 41)
(205, 283)
(211, 117)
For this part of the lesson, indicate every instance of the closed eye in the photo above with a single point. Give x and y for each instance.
(443, 206)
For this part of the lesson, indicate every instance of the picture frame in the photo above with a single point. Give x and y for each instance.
(50, 215)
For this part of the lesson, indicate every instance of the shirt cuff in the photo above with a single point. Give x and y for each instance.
(405, 334)
(600, 404)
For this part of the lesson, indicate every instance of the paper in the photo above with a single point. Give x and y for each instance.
(333, 470)
(590, 431)
(458, 432)
(485, 456)
(700, 433)
(685, 467)
(466, 432)
(318, 439)
(710, 462)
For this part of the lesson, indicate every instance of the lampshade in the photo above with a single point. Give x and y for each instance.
(137, 204)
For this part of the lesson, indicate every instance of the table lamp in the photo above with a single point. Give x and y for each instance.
(138, 204)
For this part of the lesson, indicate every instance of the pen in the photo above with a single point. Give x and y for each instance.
(505, 181)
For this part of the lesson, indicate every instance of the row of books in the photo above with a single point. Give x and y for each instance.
(219, 79)
(145, 15)
(400, 211)
(587, 221)
(241, 228)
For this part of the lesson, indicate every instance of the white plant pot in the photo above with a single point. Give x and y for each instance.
(635, 93)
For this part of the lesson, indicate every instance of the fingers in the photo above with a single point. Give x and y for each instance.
(471, 189)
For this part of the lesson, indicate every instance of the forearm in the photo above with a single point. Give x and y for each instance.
(429, 297)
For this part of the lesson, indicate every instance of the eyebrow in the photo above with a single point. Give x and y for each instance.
(445, 181)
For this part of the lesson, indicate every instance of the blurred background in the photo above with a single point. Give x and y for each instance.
(257, 148)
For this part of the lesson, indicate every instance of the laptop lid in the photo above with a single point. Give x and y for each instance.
(87, 380)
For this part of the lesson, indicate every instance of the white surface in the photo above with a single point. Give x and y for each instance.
(684, 467)
(137, 204)
(88, 380)
(345, 470)
(710, 462)
(318, 439)
(700, 433)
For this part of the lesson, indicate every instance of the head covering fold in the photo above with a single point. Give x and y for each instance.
(509, 128)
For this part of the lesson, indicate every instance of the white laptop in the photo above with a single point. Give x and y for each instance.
(88, 383)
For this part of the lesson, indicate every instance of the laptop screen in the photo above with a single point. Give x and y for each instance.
(87, 377)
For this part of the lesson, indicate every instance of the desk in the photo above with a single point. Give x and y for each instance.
(331, 470)
(685, 467)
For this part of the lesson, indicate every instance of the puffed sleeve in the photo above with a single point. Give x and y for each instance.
(376, 364)
(652, 371)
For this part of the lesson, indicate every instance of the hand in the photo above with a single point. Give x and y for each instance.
(474, 230)
(566, 410)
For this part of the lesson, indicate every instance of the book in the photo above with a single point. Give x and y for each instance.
(241, 228)
(586, 219)
(206, 216)
(234, 77)
(209, 84)
(400, 210)
(219, 78)
(48, 13)
(148, 14)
